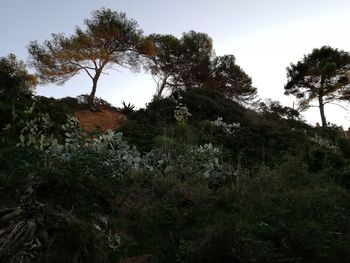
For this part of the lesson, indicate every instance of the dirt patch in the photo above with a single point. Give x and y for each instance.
(139, 259)
(101, 119)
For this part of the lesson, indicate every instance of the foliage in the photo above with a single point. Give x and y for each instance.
(110, 38)
(57, 110)
(208, 104)
(198, 50)
(37, 129)
(180, 63)
(16, 87)
(230, 79)
(227, 128)
(146, 124)
(189, 62)
(181, 114)
(84, 99)
(208, 190)
(63, 198)
(164, 65)
(320, 76)
(258, 139)
(274, 215)
(194, 177)
(275, 108)
(15, 81)
(127, 108)
(203, 162)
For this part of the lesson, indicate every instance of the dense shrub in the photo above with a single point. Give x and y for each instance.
(59, 199)
(276, 215)
(258, 138)
(222, 185)
(16, 84)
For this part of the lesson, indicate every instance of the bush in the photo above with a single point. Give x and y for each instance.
(212, 188)
(16, 84)
(59, 199)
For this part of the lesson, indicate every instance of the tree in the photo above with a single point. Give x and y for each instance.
(180, 63)
(190, 62)
(110, 38)
(164, 65)
(230, 79)
(275, 108)
(320, 76)
(15, 81)
(197, 51)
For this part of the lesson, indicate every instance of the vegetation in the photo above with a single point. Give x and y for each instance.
(321, 76)
(190, 62)
(109, 38)
(15, 82)
(229, 79)
(196, 176)
(180, 63)
(220, 184)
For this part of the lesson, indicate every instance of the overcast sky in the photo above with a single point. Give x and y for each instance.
(264, 35)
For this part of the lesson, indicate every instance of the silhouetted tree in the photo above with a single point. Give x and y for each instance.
(189, 62)
(319, 76)
(230, 79)
(110, 38)
(15, 81)
(274, 107)
(180, 63)
(165, 64)
(197, 51)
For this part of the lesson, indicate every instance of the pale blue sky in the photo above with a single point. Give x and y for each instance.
(264, 35)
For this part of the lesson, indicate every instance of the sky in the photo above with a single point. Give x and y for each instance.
(265, 36)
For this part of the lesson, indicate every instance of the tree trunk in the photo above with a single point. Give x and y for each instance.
(321, 106)
(162, 87)
(94, 87)
(92, 94)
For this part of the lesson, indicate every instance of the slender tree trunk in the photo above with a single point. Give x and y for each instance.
(92, 94)
(162, 87)
(94, 87)
(321, 106)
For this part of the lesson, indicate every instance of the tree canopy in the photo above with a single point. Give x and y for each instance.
(15, 81)
(164, 65)
(230, 79)
(109, 38)
(190, 62)
(180, 63)
(319, 76)
(197, 53)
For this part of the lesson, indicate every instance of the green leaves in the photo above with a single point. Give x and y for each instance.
(319, 76)
(230, 79)
(15, 81)
(179, 63)
(109, 38)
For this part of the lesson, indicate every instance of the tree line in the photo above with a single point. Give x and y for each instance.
(110, 39)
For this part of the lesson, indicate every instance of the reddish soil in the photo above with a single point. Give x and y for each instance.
(147, 258)
(101, 119)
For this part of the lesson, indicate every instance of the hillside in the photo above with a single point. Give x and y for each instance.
(195, 177)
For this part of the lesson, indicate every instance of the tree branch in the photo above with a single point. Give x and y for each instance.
(80, 66)
(88, 73)
(84, 68)
(336, 104)
(96, 67)
(330, 101)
